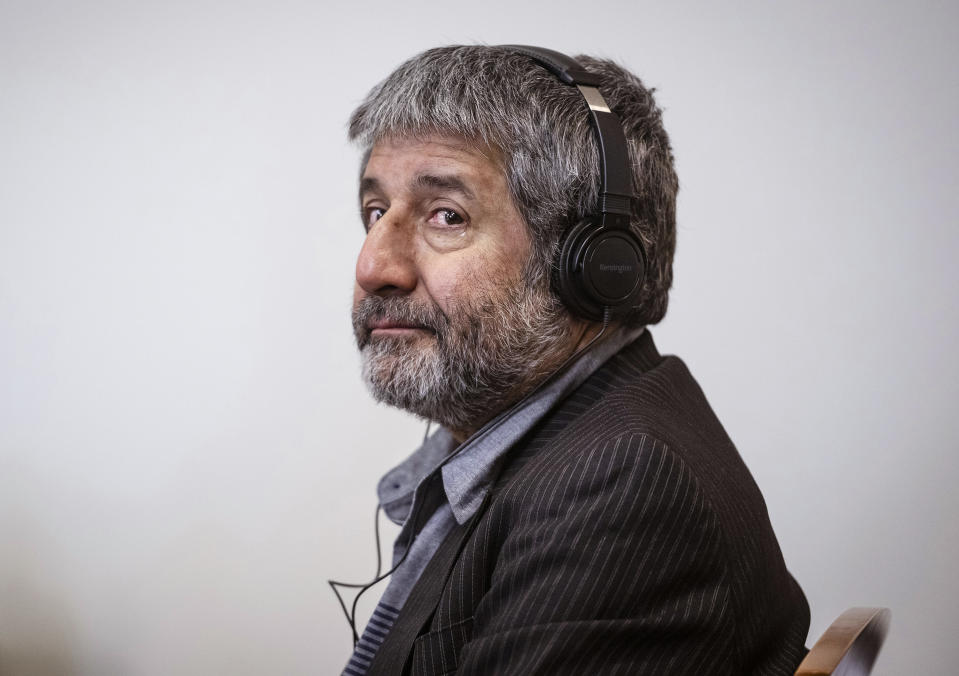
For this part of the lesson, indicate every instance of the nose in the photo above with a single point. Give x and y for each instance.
(386, 263)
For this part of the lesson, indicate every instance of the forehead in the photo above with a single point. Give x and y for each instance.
(400, 158)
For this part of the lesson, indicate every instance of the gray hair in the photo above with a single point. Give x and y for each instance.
(494, 97)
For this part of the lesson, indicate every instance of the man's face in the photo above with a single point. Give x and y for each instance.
(447, 324)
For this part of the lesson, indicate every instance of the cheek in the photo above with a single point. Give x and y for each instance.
(468, 277)
(518, 245)
(441, 282)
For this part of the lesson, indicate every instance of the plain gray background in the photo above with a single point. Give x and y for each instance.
(186, 450)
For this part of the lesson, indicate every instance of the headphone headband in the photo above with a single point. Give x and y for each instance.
(616, 178)
(601, 263)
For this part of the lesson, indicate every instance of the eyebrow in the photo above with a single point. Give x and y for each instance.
(448, 182)
(369, 185)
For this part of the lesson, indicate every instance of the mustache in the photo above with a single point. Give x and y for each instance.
(395, 309)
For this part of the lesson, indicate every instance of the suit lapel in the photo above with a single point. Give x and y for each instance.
(393, 656)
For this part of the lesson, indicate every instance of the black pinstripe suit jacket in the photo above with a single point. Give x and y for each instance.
(624, 536)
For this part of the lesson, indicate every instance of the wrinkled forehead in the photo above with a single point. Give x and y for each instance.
(456, 143)
(434, 164)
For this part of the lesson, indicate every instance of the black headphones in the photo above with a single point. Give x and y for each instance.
(601, 264)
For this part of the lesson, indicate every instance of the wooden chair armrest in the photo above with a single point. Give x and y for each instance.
(849, 646)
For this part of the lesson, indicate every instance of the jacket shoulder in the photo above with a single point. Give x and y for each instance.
(642, 453)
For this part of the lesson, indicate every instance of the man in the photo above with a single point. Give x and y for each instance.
(580, 510)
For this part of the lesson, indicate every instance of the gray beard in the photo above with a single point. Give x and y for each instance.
(468, 366)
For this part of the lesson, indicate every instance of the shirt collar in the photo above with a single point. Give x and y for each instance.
(468, 477)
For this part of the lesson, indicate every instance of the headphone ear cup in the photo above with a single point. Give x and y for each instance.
(568, 277)
(600, 268)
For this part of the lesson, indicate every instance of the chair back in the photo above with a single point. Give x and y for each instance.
(849, 646)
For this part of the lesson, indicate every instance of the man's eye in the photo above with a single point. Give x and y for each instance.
(372, 215)
(446, 217)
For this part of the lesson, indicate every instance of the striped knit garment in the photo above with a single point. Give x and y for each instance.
(401, 583)
(379, 625)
